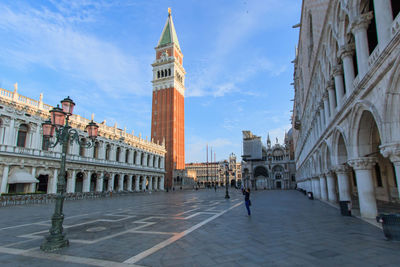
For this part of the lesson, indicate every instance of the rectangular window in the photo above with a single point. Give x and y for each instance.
(21, 138)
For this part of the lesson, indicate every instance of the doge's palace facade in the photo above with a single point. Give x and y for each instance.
(119, 161)
(347, 97)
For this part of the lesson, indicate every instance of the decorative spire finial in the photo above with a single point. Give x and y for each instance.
(169, 11)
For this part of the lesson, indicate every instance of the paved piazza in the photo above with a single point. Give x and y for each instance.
(196, 228)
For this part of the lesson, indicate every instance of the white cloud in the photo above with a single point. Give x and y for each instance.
(54, 40)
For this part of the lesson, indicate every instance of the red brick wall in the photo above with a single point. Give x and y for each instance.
(168, 120)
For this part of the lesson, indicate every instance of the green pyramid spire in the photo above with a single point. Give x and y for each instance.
(168, 35)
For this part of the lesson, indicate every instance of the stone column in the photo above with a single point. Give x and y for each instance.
(359, 29)
(162, 183)
(338, 77)
(323, 188)
(53, 188)
(342, 172)
(121, 182)
(4, 180)
(130, 182)
(137, 180)
(155, 183)
(150, 183)
(332, 101)
(86, 182)
(71, 182)
(130, 157)
(102, 150)
(138, 156)
(326, 107)
(111, 182)
(393, 152)
(32, 186)
(99, 182)
(317, 188)
(323, 117)
(331, 186)
(346, 54)
(144, 182)
(383, 19)
(365, 185)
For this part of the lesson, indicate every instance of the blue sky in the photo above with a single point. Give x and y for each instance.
(237, 55)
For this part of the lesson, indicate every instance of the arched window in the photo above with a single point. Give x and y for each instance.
(148, 160)
(108, 149)
(96, 150)
(141, 159)
(22, 134)
(371, 31)
(82, 148)
(117, 154)
(127, 155)
(162, 73)
(158, 74)
(395, 8)
(169, 72)
(134, 157)
(310, 38)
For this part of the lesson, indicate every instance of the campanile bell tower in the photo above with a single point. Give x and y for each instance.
(168, 107)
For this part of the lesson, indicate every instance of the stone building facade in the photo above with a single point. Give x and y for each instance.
(270, 166)
(347, 95)
(118, 161)
(213, 173)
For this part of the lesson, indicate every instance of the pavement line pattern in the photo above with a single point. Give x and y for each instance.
(174, 238)
(63, 258)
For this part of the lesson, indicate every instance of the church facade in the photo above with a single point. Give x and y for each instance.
(168, 106)
(270, 166)
(346, 112)
(119, 161)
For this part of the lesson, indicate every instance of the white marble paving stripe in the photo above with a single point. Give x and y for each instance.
(174, 238)
(46, 221)
(36, 253)
(153, 232)
(181, 213)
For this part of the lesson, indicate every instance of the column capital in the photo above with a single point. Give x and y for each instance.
(346, 50)
(341, 168)
(329, 173)
(361, 22)
(392, 151)
(363, 163)
(325, 96)
(330, 85)
(322, 176)
(337, 70)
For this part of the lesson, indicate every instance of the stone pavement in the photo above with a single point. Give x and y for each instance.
(195, 228)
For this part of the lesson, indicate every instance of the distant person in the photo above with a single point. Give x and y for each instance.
(247, 201)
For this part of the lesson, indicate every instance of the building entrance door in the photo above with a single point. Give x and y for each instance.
(278, 185)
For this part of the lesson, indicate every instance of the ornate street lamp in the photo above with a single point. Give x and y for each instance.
(227, 170)
(58, 123)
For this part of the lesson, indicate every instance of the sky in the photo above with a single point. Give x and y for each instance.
(237, 56)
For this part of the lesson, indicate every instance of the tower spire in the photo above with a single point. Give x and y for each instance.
(168, 35)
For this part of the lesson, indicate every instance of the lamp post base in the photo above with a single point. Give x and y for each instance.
(54, 242)
(227, 196)
(57, 239)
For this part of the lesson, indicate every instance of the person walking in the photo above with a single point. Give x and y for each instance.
(247, 201)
